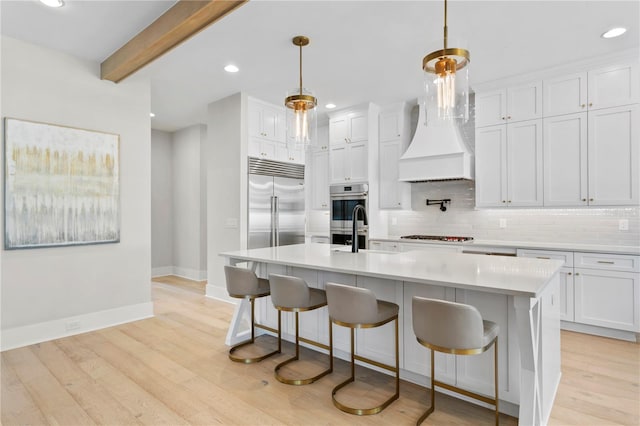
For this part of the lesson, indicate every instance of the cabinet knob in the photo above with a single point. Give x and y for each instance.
(399, 204)
(577, 273)
(503, 118)
(590, 199)
(569, 273)
(590, 104)
(508, 117)
(509, 201)
(583, 105)
(504, 201)
(398, 134)
(584, 199)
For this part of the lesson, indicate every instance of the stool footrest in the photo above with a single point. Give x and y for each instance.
(259, 358)
(298, 382)
(465, 392)
(360, 411)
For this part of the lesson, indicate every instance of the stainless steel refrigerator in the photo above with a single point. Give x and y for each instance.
(276, 203)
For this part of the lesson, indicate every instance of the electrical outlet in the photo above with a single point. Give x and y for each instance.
(72, 325)
(623, 224)
(503, 223)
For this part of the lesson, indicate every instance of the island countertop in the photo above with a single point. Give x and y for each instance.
(495, 274)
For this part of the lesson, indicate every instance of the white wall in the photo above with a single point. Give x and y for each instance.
(226, 186)
(187, 199)
(161, 204)
(43, 290)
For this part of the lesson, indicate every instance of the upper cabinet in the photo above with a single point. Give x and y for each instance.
(267, 129)
(514, 104)
(394, 128)
(601, 88)
(266, 121)
(348, 142)
(590, 145)
(349, 128)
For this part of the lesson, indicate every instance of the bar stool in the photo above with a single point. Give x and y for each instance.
(292, 294)
(243, 283)
(454, 328)
(358, 308)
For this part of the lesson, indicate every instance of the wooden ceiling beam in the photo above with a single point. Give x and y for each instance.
(183, 20)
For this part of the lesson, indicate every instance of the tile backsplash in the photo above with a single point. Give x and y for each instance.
(578, 225)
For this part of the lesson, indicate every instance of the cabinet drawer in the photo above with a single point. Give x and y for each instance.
(565, 256)
(613, 262)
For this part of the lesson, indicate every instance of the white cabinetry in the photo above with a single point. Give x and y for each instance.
(348, 153)
(607, 291)
(597, 289)
(614, 154)
(320, 178)
(565, 160)
(509, 105)
(444, 247)
(267, 134)
(394, 131)
(509, 165)
(566, 278)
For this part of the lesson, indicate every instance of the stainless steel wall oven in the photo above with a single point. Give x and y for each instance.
(343, 200)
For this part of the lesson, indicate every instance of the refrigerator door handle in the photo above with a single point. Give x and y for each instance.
(275, 225)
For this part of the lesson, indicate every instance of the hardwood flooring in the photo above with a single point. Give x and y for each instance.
(173, 369)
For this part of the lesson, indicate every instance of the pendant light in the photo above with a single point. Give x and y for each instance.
(301, 112)
(446, 74)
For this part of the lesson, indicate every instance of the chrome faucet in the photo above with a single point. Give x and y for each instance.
(354, 226)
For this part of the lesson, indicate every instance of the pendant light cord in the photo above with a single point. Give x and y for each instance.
(300, 68)
(446, 30)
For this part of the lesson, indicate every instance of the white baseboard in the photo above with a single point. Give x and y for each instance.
(161, 271)
(629, 336)
(188, 273)
(35, 333)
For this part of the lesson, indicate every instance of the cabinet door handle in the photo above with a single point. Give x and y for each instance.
(607, 262)
(542, 257)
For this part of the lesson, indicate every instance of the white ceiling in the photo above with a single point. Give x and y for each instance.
(360, 51)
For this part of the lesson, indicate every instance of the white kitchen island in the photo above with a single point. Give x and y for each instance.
(520, 294)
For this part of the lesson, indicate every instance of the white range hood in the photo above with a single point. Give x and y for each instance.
(436, 153)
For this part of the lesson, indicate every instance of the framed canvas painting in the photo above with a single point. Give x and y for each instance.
(62, 185)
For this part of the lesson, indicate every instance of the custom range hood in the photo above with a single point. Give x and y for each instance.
(436, 153)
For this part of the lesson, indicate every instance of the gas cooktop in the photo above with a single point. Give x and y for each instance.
(437, 238)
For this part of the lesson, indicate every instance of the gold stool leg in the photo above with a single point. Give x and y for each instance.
(495, 378)
(396, 370)
(304, 381)
(433, 392)
(233, 349)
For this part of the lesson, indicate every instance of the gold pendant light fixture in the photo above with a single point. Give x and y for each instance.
(446, 75)
(301, 109)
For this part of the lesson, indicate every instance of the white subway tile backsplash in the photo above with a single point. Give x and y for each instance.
(579, 225)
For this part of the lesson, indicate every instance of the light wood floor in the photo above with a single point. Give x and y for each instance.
(173, 369)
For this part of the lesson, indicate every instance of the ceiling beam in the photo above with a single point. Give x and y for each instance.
(183, 20)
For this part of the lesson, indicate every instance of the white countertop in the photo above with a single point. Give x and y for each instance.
(568, 246)
(495, 274)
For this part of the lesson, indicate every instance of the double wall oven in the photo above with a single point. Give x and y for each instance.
(343, 200)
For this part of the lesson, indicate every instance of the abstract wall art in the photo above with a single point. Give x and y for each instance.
(61, 185)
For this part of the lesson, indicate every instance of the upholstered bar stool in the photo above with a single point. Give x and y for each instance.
(358, 308)
(454, 328)
(292, 294)
(243, 283)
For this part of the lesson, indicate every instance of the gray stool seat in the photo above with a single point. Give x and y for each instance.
(243, 283)
(292, 294)
(355, 307)
(454, 328)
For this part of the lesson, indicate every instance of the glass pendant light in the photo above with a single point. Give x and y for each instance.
(446, 74)
(301, 109)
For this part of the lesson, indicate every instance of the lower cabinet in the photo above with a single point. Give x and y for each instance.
(607, 299)
(597, 289)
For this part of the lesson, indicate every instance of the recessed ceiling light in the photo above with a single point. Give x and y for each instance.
(614, 32)
(151, 115)
(330, 106)
(52, 3)
(231, 68)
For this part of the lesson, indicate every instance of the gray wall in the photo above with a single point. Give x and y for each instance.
(96, 285)
(161, 203)
(179, 203)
